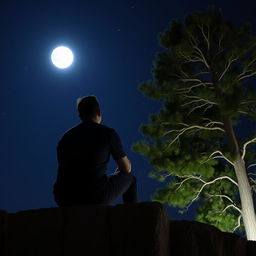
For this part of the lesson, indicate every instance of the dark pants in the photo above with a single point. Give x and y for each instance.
(118, 184)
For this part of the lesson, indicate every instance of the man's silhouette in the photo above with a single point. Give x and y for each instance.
(83, 154)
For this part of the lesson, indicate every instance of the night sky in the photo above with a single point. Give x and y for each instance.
(114, 44)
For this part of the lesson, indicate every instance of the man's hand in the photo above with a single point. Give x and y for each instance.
(124, 165)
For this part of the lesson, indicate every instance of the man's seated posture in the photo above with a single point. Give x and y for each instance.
(83, 154)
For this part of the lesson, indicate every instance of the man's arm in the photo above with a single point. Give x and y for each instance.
(124, 165)
(117, 151)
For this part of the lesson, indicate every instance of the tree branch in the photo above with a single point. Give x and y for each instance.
(193, 58)
(185, 80)
(250, 166)
(202, 73)
(252, 181)
(191, 102)
(200, 106)
(205, 183)
(246, 70)
(238, 223)
(251, 62)
(202, 56)
(207, 38)
(246, 102)
(230, 61)
(209, 103)
(198, 99)
(222, 196)
(253, 188)
(212, 122)
(232, 206)
(221, 156)
(247, 76)
(188, 90)
(245, 145)
(185, 129)
(243, 112)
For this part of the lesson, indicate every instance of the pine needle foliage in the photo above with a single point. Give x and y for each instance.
(204, 76)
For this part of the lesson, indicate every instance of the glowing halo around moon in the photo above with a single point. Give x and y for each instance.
(62, 57)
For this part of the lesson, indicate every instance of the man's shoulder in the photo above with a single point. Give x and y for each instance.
(72, 130)
(89, 126)
(103, 126)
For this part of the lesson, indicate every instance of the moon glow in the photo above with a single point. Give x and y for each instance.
(62, 57)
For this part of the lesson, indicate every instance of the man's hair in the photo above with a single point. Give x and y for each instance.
(87, 107)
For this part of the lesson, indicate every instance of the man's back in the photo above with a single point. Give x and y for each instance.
(83, 153)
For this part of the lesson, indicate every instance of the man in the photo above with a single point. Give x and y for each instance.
(83, 154)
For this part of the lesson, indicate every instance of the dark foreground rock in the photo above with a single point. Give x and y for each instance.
(197, 239)
(122, 230)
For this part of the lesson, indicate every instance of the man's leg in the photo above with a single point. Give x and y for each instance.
(123, 184)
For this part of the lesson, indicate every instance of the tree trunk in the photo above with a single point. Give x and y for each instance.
(248, 212)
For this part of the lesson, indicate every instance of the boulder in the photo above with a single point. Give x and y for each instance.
(139, 229)
(197, 239)
(130, 229)
(3, 229)
(122, 230)
(86, 230)
(34, 232)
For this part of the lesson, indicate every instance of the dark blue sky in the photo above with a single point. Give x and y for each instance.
(114, 43)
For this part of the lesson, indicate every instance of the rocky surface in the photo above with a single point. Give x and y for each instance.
(122, 230)
(134, 229)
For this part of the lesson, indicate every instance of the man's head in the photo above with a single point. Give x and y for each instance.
(89, 109)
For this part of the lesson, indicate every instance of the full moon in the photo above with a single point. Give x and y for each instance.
(62, 57)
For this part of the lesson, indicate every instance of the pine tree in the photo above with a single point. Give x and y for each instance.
(204, 78)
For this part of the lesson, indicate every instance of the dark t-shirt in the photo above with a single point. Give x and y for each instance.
(83, 154)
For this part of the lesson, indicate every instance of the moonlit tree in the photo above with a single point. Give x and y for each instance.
(205, 79)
